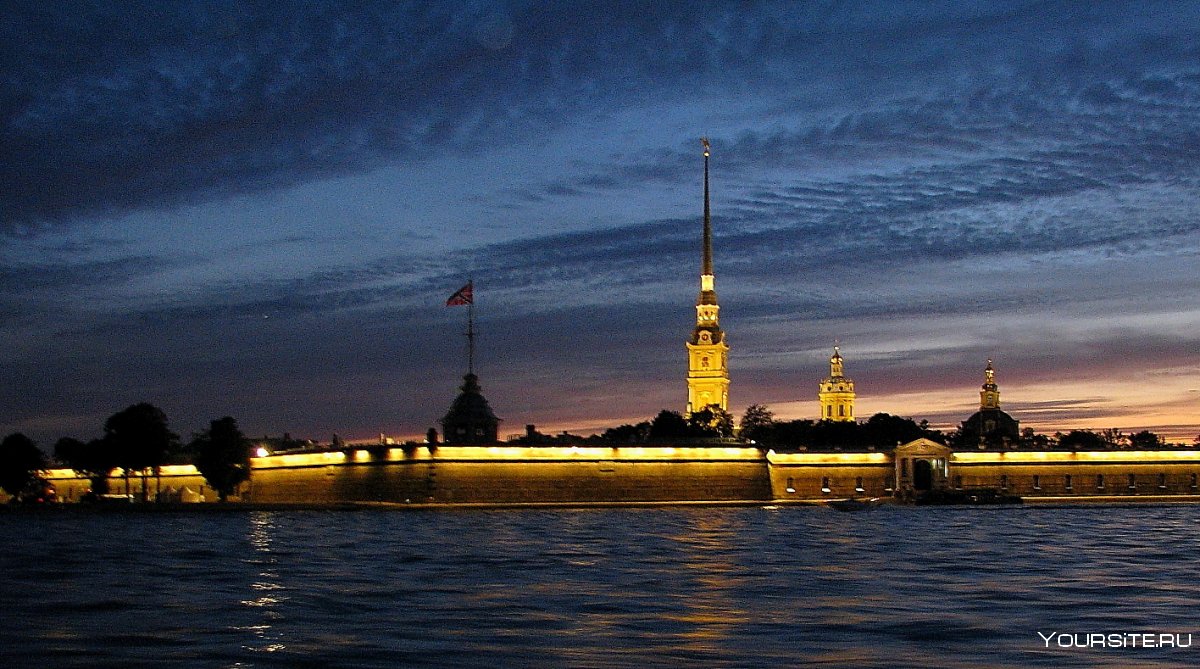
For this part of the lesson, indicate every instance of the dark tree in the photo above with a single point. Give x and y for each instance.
(1145, 441)
(710, 422)
(1083, 440)
(627, 434)
(881, 432)
(93, 460)
(839, 434)
(756, 423)
(1035, 441)
(1114, 438)
(885, 430)
(139, 439)
(669, 426)
(223, 456)
(20, 463)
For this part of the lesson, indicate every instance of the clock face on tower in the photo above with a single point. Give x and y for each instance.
(705, 338)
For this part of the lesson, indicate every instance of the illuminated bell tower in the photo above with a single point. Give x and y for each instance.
(989, 397)
(836, 392)
(708, 371)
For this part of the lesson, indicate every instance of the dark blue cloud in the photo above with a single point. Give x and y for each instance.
(113, 107)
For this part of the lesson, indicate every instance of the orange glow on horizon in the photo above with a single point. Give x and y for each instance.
(1166, 402)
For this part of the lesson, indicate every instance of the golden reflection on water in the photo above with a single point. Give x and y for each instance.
(685, 607)
(709, 611)
(266, 590)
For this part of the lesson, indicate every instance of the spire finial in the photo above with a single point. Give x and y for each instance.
(707, 268)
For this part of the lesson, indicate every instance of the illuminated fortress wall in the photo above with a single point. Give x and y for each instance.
(1066, 475)
(814, 476)
(171, 479)
(504, 475)
(1033, 475)
(515, 475)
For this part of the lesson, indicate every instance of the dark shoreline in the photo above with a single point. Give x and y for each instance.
(247, 507)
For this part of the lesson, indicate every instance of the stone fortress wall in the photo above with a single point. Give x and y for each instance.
(501, 475)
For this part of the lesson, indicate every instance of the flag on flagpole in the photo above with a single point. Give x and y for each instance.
(462, 296)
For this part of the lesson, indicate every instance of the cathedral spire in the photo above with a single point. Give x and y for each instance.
(708, 374)
(707, 266)
(708, 294)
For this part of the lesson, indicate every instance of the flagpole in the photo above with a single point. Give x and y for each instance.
(471, 329)
(471, 338)
(466, 295)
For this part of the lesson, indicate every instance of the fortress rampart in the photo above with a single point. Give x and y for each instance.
(634, 474)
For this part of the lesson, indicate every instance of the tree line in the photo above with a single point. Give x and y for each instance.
(759, 426)
(135, 441)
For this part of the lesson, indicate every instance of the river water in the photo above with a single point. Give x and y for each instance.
(642, 587)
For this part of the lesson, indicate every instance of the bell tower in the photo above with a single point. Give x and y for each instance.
(708, 371)
(836, 392)
(989, 396)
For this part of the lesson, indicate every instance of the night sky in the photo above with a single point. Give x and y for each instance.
(259, 210)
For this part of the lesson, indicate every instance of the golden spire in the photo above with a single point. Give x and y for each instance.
(707, 268)
(708, 371)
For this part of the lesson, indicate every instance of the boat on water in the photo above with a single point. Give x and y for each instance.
(855, 504)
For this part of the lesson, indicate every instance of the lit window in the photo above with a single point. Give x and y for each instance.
(1099, 481)
(1132, 482)
(858, 486)
(1162, 481)
(1067, 483)
(791, 487)
(825, 488)
(1037, 482)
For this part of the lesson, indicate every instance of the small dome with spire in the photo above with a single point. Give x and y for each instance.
(990, 427)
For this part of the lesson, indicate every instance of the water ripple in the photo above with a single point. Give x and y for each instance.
(712, 587)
